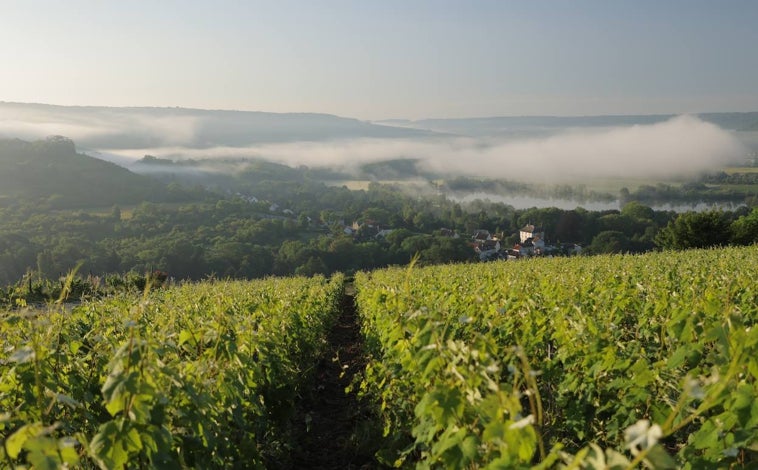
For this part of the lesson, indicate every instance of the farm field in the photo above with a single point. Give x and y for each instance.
(197, 376)
(600, 362)
(603, 362)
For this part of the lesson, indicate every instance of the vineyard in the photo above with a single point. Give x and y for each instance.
(604, 362)
(199, 376)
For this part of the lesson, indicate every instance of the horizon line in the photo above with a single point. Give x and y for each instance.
(428, 118)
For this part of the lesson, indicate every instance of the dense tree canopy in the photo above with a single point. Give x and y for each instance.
(696, 230)
(745, 229)
(309, 230)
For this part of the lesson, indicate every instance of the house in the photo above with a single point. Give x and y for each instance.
(368, 228)
(512, 254)
(490, 245)
(446, 232)
(246, 198)
(526, 248)
(488, 249)
(539, 245)
(531, 231)
(367, 223)
(481, 235)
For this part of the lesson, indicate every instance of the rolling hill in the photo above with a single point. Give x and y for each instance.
(53, 169)
(137, 128)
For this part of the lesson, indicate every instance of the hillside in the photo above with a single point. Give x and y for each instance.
(114, 129)
(136, 128)
(53, 169)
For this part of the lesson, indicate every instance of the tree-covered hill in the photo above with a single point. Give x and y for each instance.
(52, 169)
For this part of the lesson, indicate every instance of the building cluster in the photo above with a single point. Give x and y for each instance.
(487, 246)
(531, 243)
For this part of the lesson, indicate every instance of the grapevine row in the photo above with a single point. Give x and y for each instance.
(549, 362)
(196, 376)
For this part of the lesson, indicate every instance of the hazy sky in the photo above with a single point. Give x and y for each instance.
(385, 58)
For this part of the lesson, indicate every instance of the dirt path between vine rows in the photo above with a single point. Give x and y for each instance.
(333, 429)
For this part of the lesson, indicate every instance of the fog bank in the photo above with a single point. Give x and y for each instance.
(680, 147)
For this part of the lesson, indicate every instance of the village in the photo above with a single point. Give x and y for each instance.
(486, 245)
(531, 242)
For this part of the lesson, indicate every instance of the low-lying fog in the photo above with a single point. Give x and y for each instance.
(678, 147)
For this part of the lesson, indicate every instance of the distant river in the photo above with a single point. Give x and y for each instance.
(526, 202)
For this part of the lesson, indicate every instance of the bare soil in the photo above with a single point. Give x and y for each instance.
(334, 430)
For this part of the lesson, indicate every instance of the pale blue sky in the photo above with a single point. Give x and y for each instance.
(385, 58)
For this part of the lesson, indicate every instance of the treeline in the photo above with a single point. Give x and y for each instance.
(722, 177)
(304, 232)
(735, 188)
(463, 184)
(691, 192)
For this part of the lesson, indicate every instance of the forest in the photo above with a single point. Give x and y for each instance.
(270, 219)
(232, 237)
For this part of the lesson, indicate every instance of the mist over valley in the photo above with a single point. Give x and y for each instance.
(534, 149)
